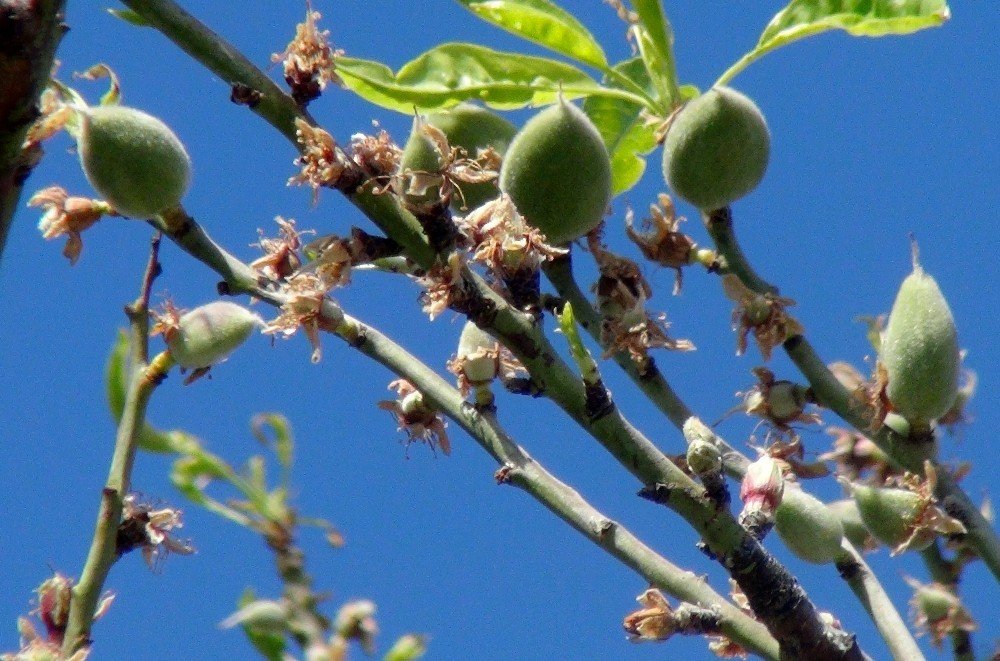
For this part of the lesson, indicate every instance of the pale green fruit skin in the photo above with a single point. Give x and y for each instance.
(889, 513)
(558, 173)
(209, 333)
(920, 351)
(850, 518)
(474, 129)
(473, 339)
(133, 160)
(716, 149)
(808, 527)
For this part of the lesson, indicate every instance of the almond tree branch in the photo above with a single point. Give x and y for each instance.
(851, 565)
(833, 395)
(143, 379)
(520, 468)
(29, 33)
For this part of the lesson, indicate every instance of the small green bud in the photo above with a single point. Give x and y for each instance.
(477, 350)
(716, 149)
(920, 351)
(407, 648)
(558, 172)
(208, 334)
(808, 527)
(133, 160)
(854, 528)
(891, 514)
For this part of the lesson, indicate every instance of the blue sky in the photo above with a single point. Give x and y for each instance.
(872, 140)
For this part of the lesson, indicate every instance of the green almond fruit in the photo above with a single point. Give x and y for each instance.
(890, 514)
(920, 351)
(854, 528)
(421, 155)
(808, 527)
(133, 160)
(716, 149)
(474, 129)
(209, 333)
(558, 173)
(478, 368)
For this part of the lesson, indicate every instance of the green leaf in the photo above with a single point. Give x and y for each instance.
(544, 23)
(656, 46)
(625, 131)
(116, 383)
(130, 16)
(282, 432)
(451, 73)
(271, 645)
(861, 18)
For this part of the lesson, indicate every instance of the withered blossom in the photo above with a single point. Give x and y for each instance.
(762, 314)
(309, 63)
(503, 241)
(442, 283)
(779, 403)
(930, 519)
(377, 155)
(415, 417)
(302, 309)
(857, 457)
(496, 360)
(664, 244)
(69, 216)
(281, 254)
(456, 168)
(622, 292)
(937, 610)
(143, 527)
(54, 114)
(320, 162)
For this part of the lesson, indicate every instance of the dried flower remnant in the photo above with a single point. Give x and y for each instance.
(480, 359)
(936, 609)
(664, 244)
(69, 216)
(857, 457)
(442, 285)
(309, 63)
(356, 621)
(54, 114)
(320, 163)
(622, 292)
(653, 622)
(762, 314)
(377, 155)
(281, 254)
(303, 308)
(416, 417)
(503, 241)
(143, 527)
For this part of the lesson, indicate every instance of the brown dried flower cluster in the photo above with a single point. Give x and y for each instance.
(143, 527)
(69, 216)
(321, 163)
(281, 254)
(416, 417)
(762, 314)
(664, 244)
(309, 63)
(937, 610)
(377, 155)
(303, 307)
(442, 284)
(503, 241)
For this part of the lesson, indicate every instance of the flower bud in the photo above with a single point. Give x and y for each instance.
(920, 351)
(808, 527)
(133, 160)
(703, 457)
(208, 334)
(763, 485)
(54, 596)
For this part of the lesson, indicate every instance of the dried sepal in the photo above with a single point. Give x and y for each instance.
(416, 417)
(857, 457)
(69, 216)
(781, 403)
(309, 62)
(664, 243)
(763, 315)
(441, 283)
(376, 155)
(503, 241)
(653, 622)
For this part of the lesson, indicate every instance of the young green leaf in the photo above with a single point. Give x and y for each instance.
(861, 18)
(625, 132)
(544, 23)
(451, 73)
(656, 45)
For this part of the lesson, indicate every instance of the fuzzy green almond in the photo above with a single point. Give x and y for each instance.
(809, 529)
(133, 160)
(558, 173)
(920, 351)
(209, 333)
(716, 149)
